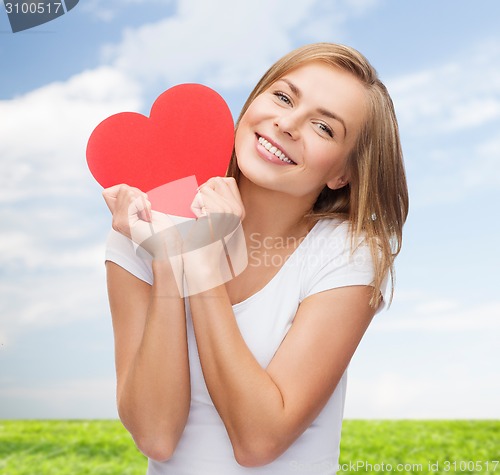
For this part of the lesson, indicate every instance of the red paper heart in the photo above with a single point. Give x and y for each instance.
(190, 131)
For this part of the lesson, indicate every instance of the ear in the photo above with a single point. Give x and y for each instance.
(337, 183)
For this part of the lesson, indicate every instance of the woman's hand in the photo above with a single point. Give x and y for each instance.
(134, 218)
(219, 195)
(214, 248)
(129, 207)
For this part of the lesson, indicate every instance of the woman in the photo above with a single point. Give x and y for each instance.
(250, 376)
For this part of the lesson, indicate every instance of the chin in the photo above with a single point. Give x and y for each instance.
(266, 180)
(265, 175)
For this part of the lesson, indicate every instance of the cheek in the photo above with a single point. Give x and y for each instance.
(323, 156)
(238, 138)
(244, 134)
(242, 146)
(255, 112)
(329, 162)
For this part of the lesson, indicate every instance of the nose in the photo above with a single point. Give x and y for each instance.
(288, 123)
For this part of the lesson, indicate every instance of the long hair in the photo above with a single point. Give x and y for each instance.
(375, 201)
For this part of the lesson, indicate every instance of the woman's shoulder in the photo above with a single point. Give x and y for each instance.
(335, 225)
(331, 244)
(334, 235)
(333, 258)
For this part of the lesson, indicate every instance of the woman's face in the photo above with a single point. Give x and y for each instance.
(296, 136)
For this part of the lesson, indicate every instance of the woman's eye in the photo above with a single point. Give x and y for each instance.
(325, 128)
(283, 97)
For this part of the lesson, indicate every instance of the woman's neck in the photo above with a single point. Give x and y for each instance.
(273, 213)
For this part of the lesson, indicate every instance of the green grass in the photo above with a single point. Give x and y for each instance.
(461, 447)
(68, 448)
(105, 448)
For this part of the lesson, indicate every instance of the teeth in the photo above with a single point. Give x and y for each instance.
(275, 151)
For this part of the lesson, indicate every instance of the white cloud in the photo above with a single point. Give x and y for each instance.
(455, 173)
(473, 113)
(4, 342)
(226, 44)
(86, 398)
(428, 358)
(436, 306)
(389, 394)
(362, 6)
(52, 243)
(52, 239)
(449, 118)
(442, 316)
(453, 395)
(52, 298)
(107, 10)
(461, 94)
(42, 144)
(484, 169)
(226, 53)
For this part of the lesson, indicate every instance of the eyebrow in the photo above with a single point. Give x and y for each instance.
(321, 110)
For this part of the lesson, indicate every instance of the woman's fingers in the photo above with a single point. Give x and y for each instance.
(233, 187)
(133, 217)
(219, 185)
(198, 205)
(140, 207)
(109, 195)
(217, 205)
(127, 205)
(218, 211)
(220, 195)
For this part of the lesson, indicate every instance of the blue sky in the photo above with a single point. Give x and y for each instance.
(434, 354)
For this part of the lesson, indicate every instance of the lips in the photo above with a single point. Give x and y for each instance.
(274, 151)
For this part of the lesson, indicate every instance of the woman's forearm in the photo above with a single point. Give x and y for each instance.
(154, 399)
(249, 402)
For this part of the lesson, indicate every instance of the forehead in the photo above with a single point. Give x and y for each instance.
(323, 73)
(318, 78)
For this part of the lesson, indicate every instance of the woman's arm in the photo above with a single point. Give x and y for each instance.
(265, 410)
(153, 387)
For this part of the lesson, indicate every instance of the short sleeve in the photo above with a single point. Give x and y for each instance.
(343, 270)
(341, 265)
(122, 251)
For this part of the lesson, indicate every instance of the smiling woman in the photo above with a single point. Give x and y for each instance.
(376, 186)
(250, 376)
(300, 116)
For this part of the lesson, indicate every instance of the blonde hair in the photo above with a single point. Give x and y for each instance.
(375, 201)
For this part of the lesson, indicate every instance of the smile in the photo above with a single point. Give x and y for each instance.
(275, 151)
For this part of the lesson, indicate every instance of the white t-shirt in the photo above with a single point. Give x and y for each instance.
(322, 261)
